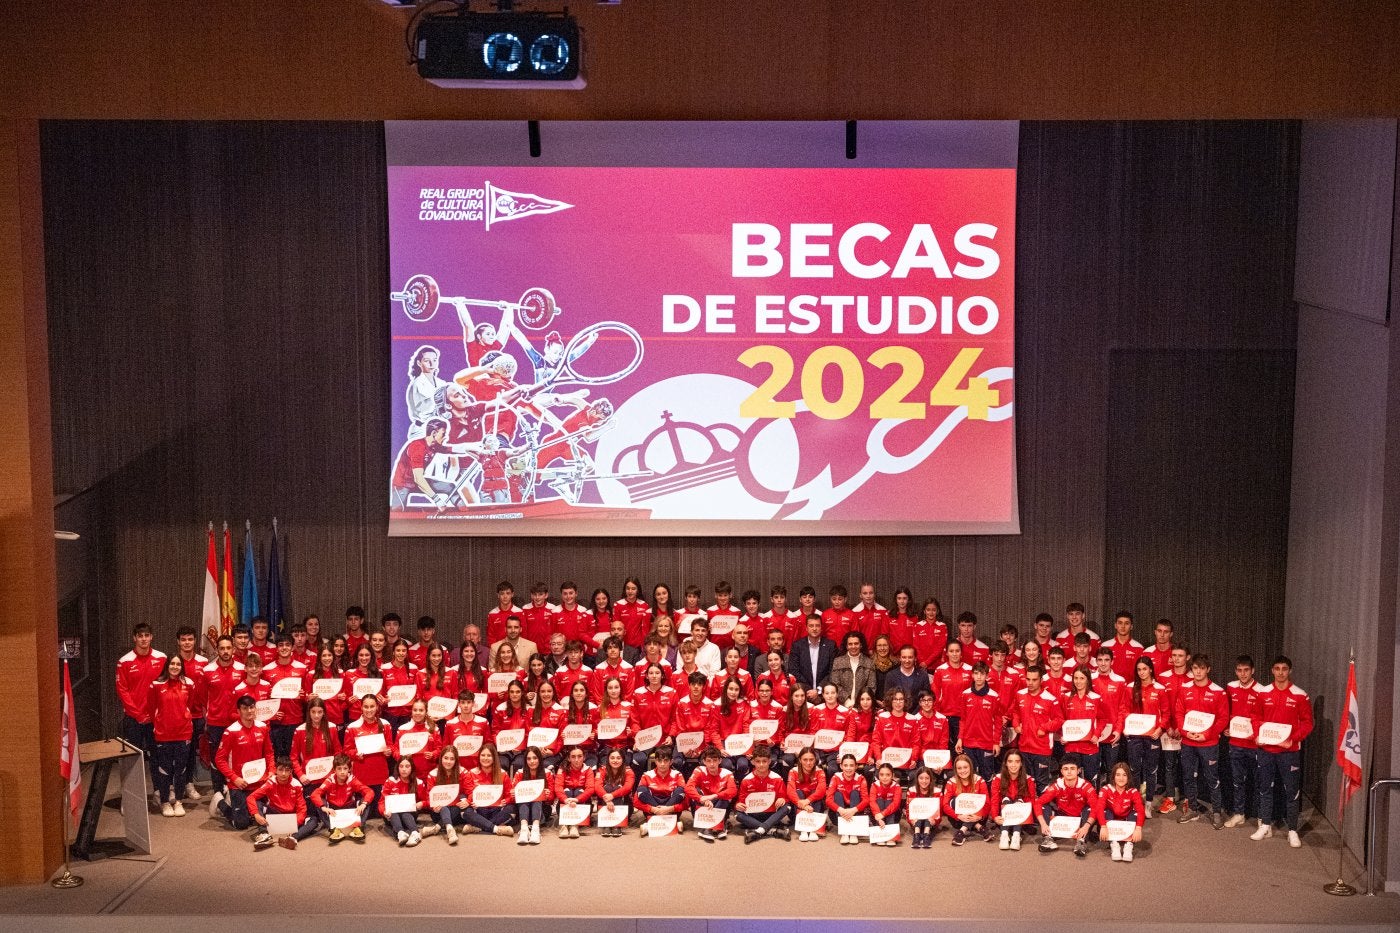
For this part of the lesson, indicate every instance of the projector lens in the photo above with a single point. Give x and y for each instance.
(503, 52)
(549, 54)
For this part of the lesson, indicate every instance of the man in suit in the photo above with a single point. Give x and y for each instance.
(909, 676)
(524, 647)
(810, 659)
(853, 671)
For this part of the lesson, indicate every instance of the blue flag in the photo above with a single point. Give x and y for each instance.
(248, 600)
(274, 586)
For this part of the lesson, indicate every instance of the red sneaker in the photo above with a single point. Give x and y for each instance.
(1167, 805)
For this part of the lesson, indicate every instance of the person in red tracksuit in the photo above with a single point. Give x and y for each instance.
(1071, 796)
(617, 712)
(281, 794)
(1120, 799)
(342, 791)
(1281, 765)
(168, 700)
(404, 825)
(770, 712)
(660, 791)
(967, 783)
(549, 716)
(512, 715)
(950, 679)
(693, 714)
(1242, 748)
(896, 729)
(1012, 785)
(573, 781)
(497, 817)
(449, 772)
(1200, 750)
(529, 813)
(933, 734)
(980, 723)
(924, 785)
(1036, 715)
(885, 798)
(1082, 704)
(830, 716)
(806, 788)
(732, 715)
(712, 786)
(768, 820)
(327, 667)
(579, 711)
(466, 731)
(613, 783)
(425, 759)
(221, 677)
(371, 767)
(847, 795)
(244, 742)
(136, 671)
(314, 739)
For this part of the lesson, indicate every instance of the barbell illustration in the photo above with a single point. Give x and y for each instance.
(421, 299)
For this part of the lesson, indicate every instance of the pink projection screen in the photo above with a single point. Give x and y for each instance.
(701, 329)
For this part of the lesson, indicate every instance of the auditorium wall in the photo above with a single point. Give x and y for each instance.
(219, 344)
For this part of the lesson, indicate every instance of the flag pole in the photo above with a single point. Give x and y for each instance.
(67, 880)
(1339, 887)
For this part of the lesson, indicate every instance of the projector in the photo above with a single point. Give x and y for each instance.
(499, 50)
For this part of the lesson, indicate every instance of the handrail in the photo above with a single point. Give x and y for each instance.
(1392, 783)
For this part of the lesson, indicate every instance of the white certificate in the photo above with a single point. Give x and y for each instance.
(371, 744)
(288, 688)
(467, 744)
(796, 741)
(887, 833)
(1016, 814)
(858, 825)
(487, 795)
(1241, 727)
(687, 743)
(542, 736)
(401, 694)
(708, 817)
(266, 709)
(478, 702)
(1076, 730)
(809, 822)
(828, 739)
(617, 816)
(1197, 721)
(897, 757)
(281, 824)
(1274, 733)
(529, 791)
(1064, 827)
(968, 806)
(499, 681)
(572, 814)
(723, 625)
(326, 687)
(577, 733)
(763, 729)
(647, 739)
(1139, 724)
(859, 749)
(444, 795)
(343, 819)
(738, 744)
(924, 808)
(441, 707)
(1170, 744)
(318, 768)
(254, 771)
(365, 686)
(760, 801)
(937, 758)
(1119, 830)
(661, 825)
(510, 740)
(411, 743)
(609, 728)
(400, 803)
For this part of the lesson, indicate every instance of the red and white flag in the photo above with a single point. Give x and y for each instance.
(209, 615)
(68, 754)
(1349, 740)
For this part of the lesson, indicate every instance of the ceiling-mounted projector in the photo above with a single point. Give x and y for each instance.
(506, 49)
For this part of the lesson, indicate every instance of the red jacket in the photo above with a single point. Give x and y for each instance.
(565, 678)
(1090, 707)
(735, 722)
(281, 798)
(1036, 718)
(581, 780)
(753, 784)
(837, 718)
(952, 789)
(427, 759)
(872, 622)
(694, 717)
(464, 785)
(948, 686)
(337, 796)
(1156, 701)
(336, 705)
(1113, 690)
(496, 624)
(478, 779)
(930, 642)
(169, 710)
(306, 746)
(373, 769)
(621, 791)
(241, 745)
(1070, 801)
(893, 731)
(653, 707)
(981, 720)
(1210, 699)
(219, 683)
(399, 677)
(1291, 707)
(885, 799)
(839, 783)
(199, 697)
(812, 788)
(1125, 657)
(836, 624)
(1021, 792)
(455, 728)
(702, 783)
(536, 625)
(624, 672)
(715, 689)
(1243, 703)
(1114, 803)
(659, 786)
(135, 674)
(292, 711)
(636, 621)
(627, 714)
(395, 786)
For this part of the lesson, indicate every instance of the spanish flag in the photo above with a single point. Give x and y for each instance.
(228, 610)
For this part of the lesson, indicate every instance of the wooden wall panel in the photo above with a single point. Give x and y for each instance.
(235, 274)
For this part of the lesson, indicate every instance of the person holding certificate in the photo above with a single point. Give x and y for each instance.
(449, 792)
(615, 725)
(932, 736)
(830, 725)
(1283, 718)
(490, 810)
(368, 744)
(661, 791)
(280, 796)
(1202, 712)
(613, 783)
(965, 801)
(533, 790)
(732, 717)
(897, 732)
(712, 786)
(244, 759)
(1086, 724)
(1149, 715)
(1013, 786)
(847, 795)
(436, 679)
(512, 717)
(580, 712)
(1072, 800)
(1121, 800)
(333, 699)
(573, 782)
(885, 798)
(762, 804)
(693, 725)
(466, 731)
(342, 791)
(924, 788)
(404, 795)
(806, 790)
(366, 668)
(418, 739)
(546, 723)
(314, 747)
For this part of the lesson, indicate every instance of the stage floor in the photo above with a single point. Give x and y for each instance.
(1183, 876)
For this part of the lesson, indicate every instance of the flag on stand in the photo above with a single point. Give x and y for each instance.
(275, 610)
(248, 599)
(68, 754)
(228, 614)
(209, 617)
(1349, 740)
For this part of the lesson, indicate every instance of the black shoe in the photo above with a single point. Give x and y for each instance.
(750, 837)
(1189, 815)
(1081, 850)
(706, 835)
(782, 833)
(959, 837)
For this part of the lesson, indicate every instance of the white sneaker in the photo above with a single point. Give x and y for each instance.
(1127, 851)
(451, 835)
(432, 829)
(178, 807)
(1263, 832)
(535, 833)
(414, 838)
(167, 809)
(402, 837)
(1293, 839)
(1236, 820)
(1147, 806)
(573, 832)
(1015, 842)
(523, 839)
(1116, 848)
(191, 792)
(1005, 842)
(214, 801)
(563, 832)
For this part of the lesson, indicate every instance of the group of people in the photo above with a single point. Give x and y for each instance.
(851, 718)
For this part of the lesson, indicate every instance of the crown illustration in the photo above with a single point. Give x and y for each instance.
(666, 441)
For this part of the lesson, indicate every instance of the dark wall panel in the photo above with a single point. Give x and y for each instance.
(219, 346)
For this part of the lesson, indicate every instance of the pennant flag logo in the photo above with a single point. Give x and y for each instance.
(503, 205)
